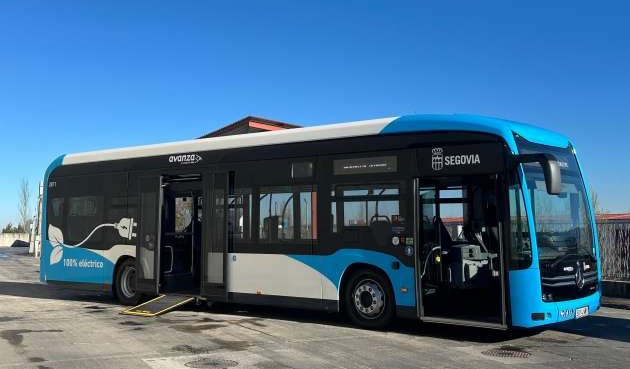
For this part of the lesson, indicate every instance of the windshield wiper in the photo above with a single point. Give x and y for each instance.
(558, 260)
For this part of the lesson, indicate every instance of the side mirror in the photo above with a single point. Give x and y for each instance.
(550, 166)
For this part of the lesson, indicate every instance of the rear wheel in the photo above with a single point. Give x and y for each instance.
(125, 285)
(369, 300)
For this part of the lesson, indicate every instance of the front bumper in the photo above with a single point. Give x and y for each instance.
(544, 313)
(528, 310)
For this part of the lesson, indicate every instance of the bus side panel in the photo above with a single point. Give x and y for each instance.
(332, 267)
(76, 265)
(275, 275)
(525, 296)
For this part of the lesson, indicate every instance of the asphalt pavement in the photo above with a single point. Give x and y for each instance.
(48, 327)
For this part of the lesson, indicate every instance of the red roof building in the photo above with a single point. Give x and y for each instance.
(618, 218)
(250, 124)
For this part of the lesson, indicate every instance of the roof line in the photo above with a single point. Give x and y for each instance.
(304, 134)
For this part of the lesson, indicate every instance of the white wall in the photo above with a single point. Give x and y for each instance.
(7, 239)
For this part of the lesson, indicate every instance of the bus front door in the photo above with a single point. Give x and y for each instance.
(459, 251)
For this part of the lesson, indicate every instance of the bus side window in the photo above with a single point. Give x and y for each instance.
(85, 213)
(240, 215)
(308, 215)
(287, 213)
(55, 212)
(521, 246)
(183, 214)
(365, 206)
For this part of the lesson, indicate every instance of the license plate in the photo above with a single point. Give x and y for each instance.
(581, 312)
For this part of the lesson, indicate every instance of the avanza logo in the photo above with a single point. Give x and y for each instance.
(185, 159)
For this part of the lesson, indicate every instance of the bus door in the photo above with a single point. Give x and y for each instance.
(181, 233)
(459, 247)
(149, 233)
(214, 252)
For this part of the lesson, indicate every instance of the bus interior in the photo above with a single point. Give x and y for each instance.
(460, 248)
(181, 234)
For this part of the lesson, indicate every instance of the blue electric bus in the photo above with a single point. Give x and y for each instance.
(441, 218)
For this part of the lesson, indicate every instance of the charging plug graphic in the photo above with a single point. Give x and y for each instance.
(125, 228)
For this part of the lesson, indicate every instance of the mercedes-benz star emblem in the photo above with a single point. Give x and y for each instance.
(579, 277)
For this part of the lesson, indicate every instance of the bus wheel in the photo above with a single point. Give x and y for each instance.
(369, 300)
(125, 287)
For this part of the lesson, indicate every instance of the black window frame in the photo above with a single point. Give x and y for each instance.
(338, 197)
(260, 175)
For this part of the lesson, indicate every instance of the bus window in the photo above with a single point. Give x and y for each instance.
(276, 214)
(308, 215)
(333, 216)
(183, 213)
(55, 216)
(117, 208)
(239, 215)
(452, 217)
(364, 206)
(84, 214)
(520, 245)
(200, 209)
(287, 213)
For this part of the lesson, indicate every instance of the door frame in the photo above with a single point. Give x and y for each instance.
(418, 267)
(145, 285)
(209, 290)
(193, 192)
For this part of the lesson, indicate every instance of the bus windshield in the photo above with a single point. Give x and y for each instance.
(562, 222)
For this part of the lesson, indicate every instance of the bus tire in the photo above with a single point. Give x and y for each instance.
(369, 299)
(125, 283)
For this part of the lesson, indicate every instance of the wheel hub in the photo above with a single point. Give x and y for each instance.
(369, 299)
(128, 282)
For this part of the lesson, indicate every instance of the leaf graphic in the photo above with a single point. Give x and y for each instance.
(56, 254)
(55, 236)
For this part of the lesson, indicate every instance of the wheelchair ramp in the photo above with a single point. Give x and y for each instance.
(159, 305)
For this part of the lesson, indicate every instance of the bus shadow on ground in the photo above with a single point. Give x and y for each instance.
(402, 326)
(596, 326)
(42, 291)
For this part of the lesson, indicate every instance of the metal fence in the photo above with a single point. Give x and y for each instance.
(614, 248)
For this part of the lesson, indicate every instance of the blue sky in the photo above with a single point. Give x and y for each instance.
(77, 76)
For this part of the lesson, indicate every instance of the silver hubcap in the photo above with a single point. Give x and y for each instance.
(369, 299)
(128, 282)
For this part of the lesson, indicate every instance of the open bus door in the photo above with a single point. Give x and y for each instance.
(215, 239)
(460, 271)
(149, 232)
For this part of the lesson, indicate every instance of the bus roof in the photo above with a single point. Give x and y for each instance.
(405, 124)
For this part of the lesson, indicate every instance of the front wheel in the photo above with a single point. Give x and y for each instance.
(125, 284)
(369, 300)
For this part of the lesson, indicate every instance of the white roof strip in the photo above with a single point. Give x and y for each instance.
(323, 132)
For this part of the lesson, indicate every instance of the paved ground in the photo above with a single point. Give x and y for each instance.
(43, 327)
